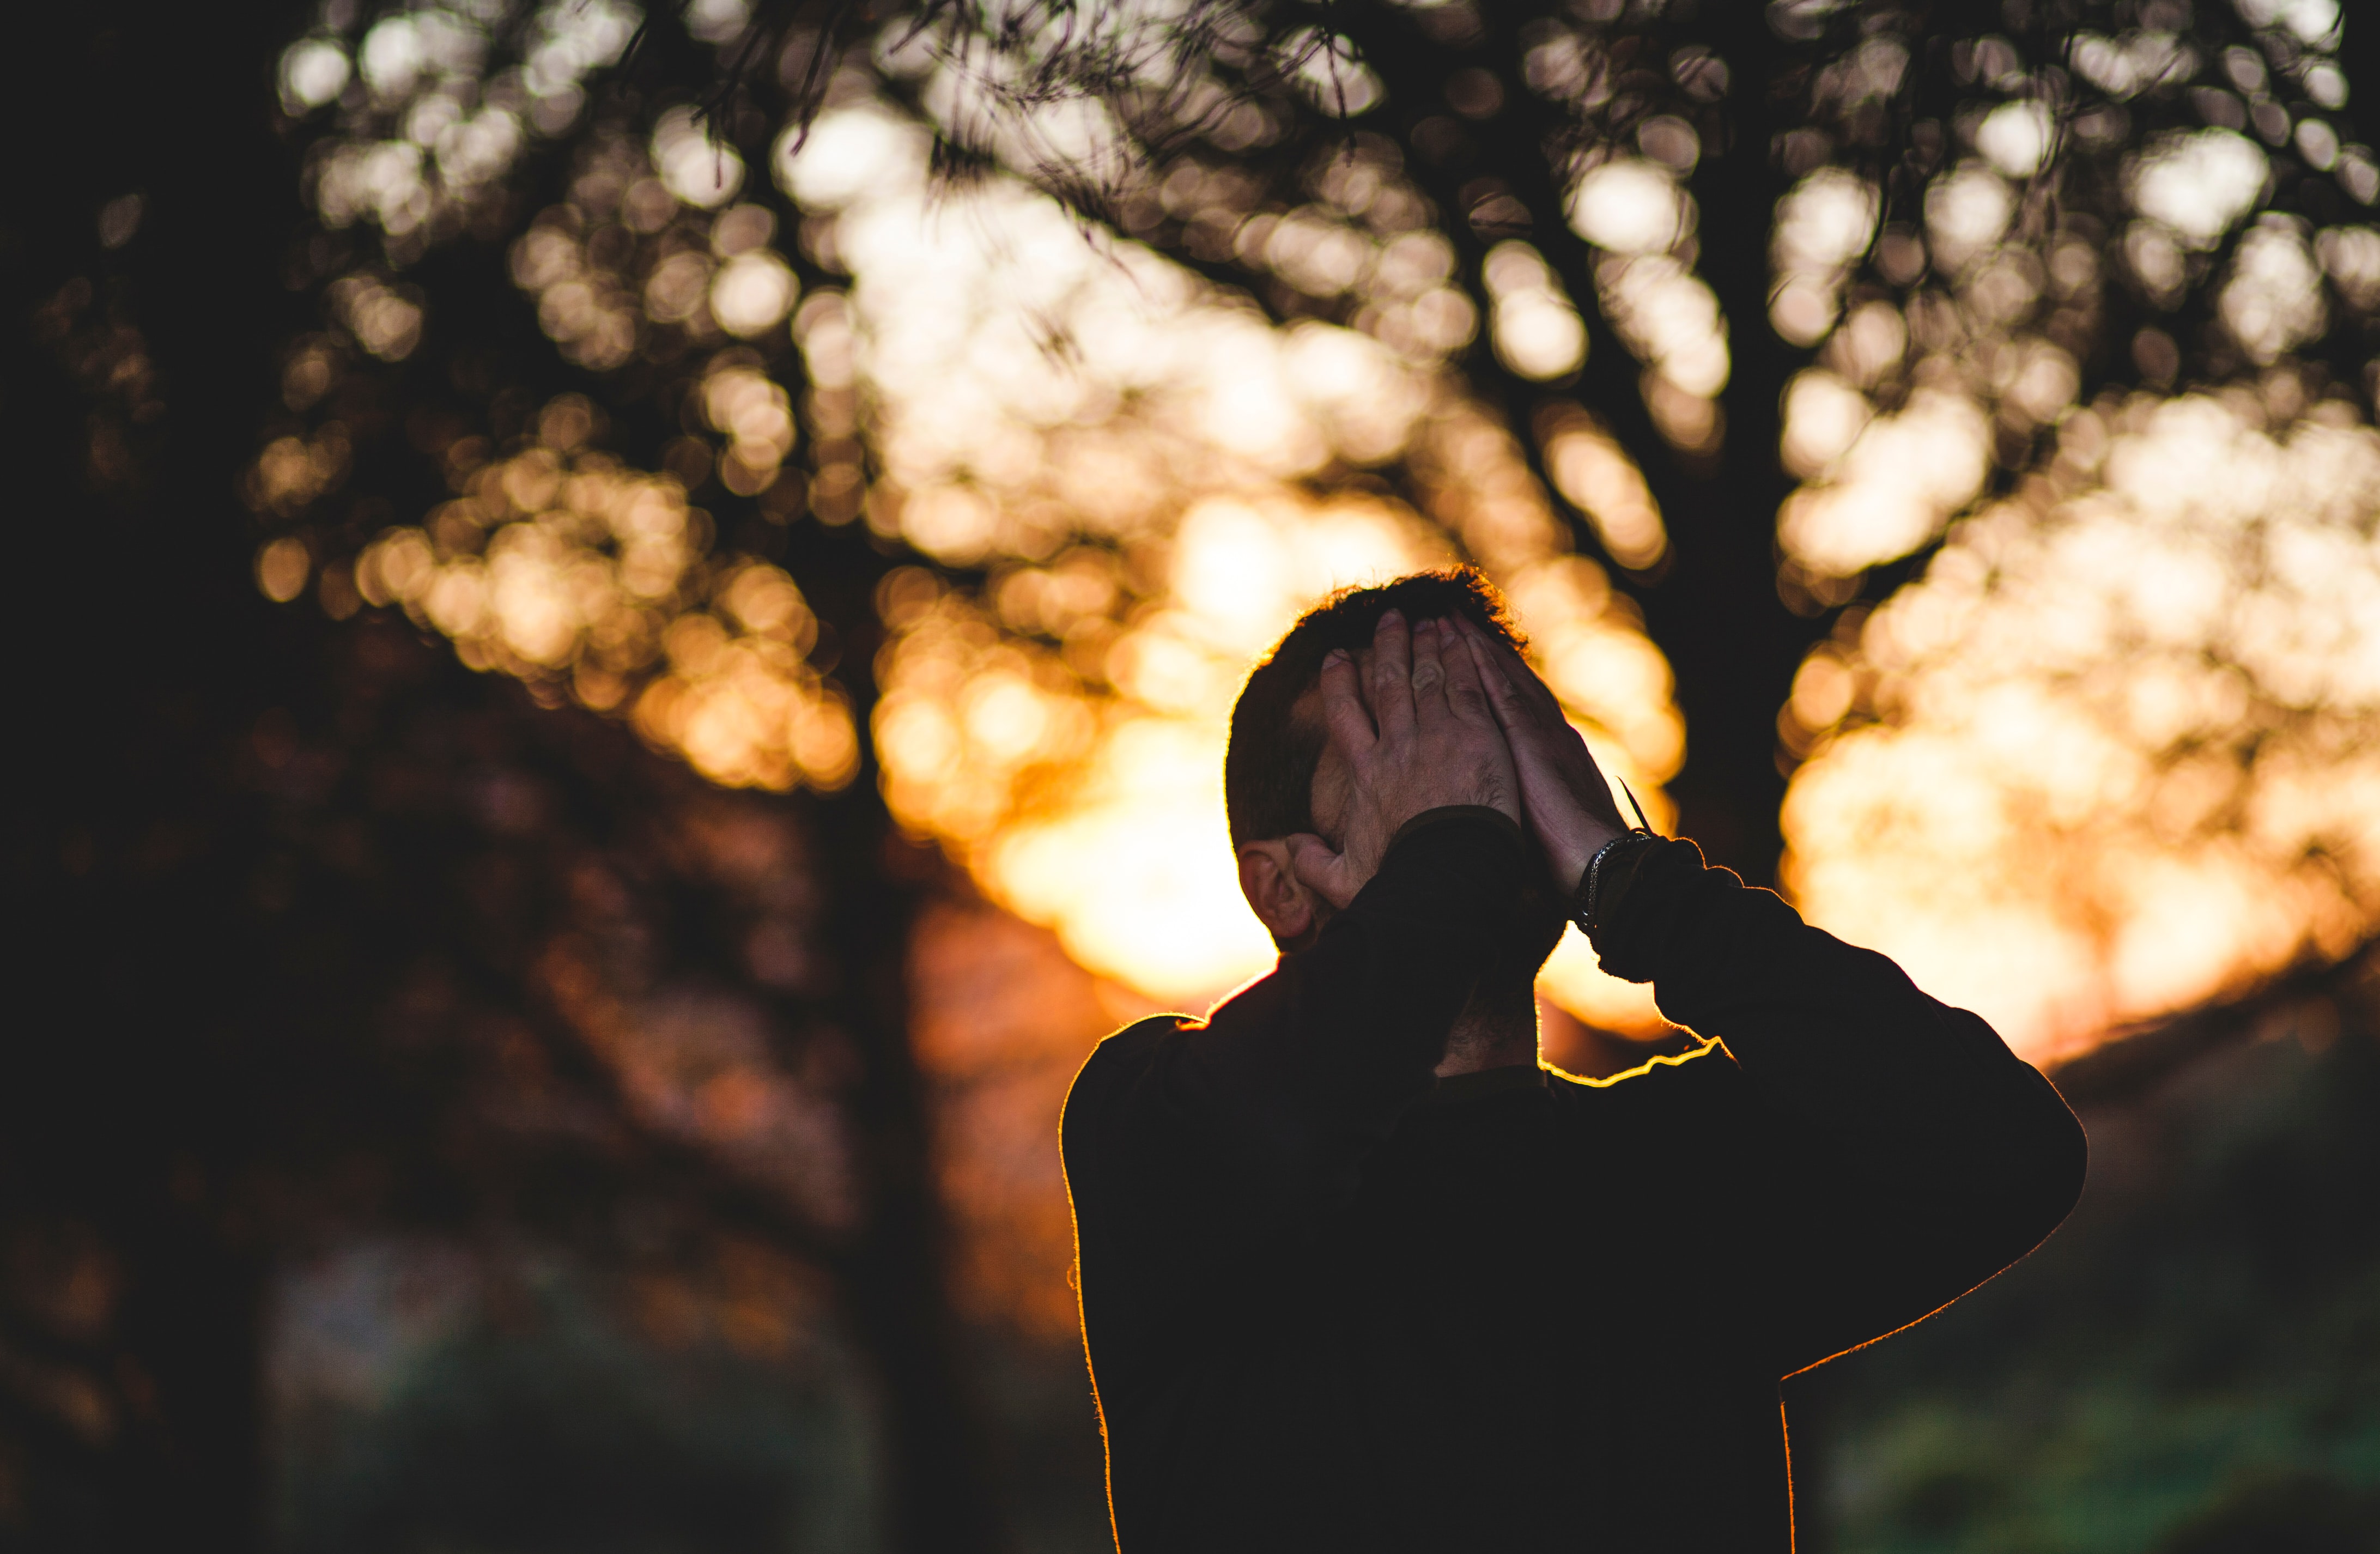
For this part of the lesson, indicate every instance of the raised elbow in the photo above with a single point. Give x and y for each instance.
(2055, 1160)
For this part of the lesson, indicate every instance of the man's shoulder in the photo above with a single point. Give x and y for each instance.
(1119, 1057)
(1135, 1041)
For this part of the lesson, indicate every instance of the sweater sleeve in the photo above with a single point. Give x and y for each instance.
(1193, 1145)
(1883, 1152)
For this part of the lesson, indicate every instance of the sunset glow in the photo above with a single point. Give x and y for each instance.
(2114, 754)
(1063, 728)
(1123, 482)
(1135, 481)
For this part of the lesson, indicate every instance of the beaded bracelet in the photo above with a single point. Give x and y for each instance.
(1590, 885)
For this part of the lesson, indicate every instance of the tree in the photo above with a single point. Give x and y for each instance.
(1988, 244)
(332, 935)
(935, 485)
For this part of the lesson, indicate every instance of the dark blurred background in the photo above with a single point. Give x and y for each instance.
(621, 618)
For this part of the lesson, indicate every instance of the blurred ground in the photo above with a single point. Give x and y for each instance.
(517, 1406)
(2192, 1366)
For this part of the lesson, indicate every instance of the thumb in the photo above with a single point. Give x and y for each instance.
(1326, 873)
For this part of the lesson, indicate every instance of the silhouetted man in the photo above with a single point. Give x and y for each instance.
(1357, 1274)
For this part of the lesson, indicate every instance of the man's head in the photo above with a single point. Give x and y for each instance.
(1280, 777)
(1276, 733)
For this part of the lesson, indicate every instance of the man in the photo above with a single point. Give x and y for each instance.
(1357, 1274)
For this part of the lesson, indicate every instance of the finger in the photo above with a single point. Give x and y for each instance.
(1428, 672)
(1392, 700)
(1466, 690)
(1528, 690)
(1523, 706)
(1521, 698)
(1512, 714)
(1533, 687)
(1326, 873)
(1342, 704)
(1534, 720)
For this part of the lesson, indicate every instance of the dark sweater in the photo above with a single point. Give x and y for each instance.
(1333, 1303)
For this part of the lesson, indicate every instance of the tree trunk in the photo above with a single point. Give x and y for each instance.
(1718, 615)
(146, 637)
(895, 1284)
(1715, 611)
(192, 1388)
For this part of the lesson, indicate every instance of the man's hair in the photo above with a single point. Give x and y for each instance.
(1268, 768)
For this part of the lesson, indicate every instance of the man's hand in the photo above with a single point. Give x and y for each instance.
(1429, 740)
(1569, 803)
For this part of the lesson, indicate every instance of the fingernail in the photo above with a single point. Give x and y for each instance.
(1391, 617)
(1336, 655)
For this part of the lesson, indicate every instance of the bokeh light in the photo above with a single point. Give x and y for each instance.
(1121, 449)
(1596, 475)
(1634, 209)
(2118, 751)
(560, 567)
(1121, 481)
(2117, 726)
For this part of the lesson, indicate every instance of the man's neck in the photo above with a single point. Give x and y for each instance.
(1492, 1032)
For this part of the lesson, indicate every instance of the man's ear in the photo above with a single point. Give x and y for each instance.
(1280, 899)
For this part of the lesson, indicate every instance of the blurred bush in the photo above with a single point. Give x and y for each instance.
(2193, 1362)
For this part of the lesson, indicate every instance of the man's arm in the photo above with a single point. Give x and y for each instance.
(1260, 1115)
(1885, 1153)
(1892, 1154)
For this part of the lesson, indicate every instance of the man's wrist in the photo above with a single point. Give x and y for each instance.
(1578, 851)
(1606, 879)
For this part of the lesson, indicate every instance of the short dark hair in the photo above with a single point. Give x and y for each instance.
(1269, 766)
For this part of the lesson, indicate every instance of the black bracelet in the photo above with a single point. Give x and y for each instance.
(1589, 899)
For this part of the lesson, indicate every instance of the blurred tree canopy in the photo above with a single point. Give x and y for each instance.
(556, 530)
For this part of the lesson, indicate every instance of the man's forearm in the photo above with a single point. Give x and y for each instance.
(1838, 1033)
(1224, 1136)
(1370, 1002)
(1894, 1155)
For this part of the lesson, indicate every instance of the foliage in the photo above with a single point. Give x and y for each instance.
(1876, 267)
